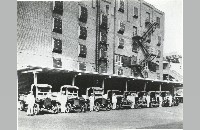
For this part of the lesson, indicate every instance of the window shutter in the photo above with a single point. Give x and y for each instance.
(53, 24)
(79, 31)
(79, 11)
(116, 59)
(52, 43)
(112, 10)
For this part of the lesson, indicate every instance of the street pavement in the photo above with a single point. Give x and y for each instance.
(145, 118)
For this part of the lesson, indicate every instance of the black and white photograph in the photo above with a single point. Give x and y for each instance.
(99, 64)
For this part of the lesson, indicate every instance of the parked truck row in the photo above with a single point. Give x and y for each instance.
(68, 100)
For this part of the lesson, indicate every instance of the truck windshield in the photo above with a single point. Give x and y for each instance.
(98, 92)
(43, 89)
(72, 90)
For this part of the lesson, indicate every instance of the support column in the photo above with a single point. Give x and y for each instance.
(103, 85)
(73, 80)
(126, 85)
(160, 88)
(173, 91)
(35, 77)
(145, 85)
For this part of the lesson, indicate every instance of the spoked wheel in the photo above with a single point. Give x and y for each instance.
(55, 109)
(136, 106)
(97, 107)
(109, 107)
(67, 110)
(21, 106)
(36, 109)
(83, 108)
(117, 106)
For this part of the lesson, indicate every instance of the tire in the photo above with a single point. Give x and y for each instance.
(36, 109)
(83, 108)
(55, 109)
(21, 106)
(67, 110)
(108, 108)
(117, 106)
(136, 106)
(97, 107)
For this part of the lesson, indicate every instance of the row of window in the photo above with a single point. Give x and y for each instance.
(57, 46)
(125, 61)
(57, 63)
(147, 20)
(121, 9)
(135, 13)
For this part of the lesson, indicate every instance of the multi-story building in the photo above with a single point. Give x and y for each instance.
(89, 43)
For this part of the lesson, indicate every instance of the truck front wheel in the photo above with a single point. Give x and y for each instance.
(36, 109)
(21, 106)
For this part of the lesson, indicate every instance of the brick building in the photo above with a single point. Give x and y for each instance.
(106, 42)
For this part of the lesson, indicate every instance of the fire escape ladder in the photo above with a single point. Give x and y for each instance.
(142, 41)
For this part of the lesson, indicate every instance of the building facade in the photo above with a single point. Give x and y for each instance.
(99, 37)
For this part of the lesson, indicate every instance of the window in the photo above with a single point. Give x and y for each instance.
(134, 71)
(104, 21)
(158, 21)
(147, 17)
(121, 6)
(135, 12)
(58, 7)
(149, 38)
(157, 67)
(134, 31)
(82, 51)
(57, 45)
(133, 60)
(82, 66)
(159, 41)
(159, 54)
(145, 74)
(83, 14)
(158, 75)
(118, 60)
(103, 67)
(135, 46)
(120, 71)
(103, 52)
(121, 28)
(57, 25)
(103, 37)
(121, 43)
(147, 20)
(57, 63)
(126, 61)
(107, 9)
(82, 33)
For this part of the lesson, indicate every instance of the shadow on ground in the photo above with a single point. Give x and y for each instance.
(175, 125)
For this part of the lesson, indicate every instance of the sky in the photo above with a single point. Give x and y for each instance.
(173, 10)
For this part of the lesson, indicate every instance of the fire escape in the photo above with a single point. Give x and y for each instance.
(101, 48)
(141, 40)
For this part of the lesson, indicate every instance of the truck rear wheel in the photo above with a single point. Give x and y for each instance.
(36, 109)
(67, 110)
(21, 106)
(97, 107)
